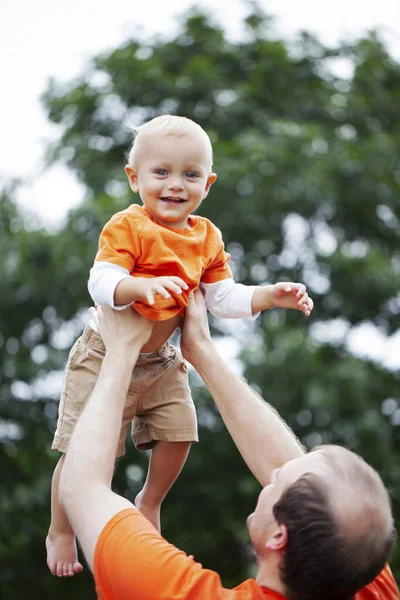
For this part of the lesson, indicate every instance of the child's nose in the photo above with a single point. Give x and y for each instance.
(175, 184)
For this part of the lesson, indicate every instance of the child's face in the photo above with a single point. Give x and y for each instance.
(172, 176)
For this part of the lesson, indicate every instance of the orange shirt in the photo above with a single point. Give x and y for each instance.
(133, 562)
(382, 588)
(134, 240)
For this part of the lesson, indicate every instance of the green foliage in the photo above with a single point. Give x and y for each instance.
(308, 187)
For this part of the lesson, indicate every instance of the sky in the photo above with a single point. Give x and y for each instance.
(44, 39)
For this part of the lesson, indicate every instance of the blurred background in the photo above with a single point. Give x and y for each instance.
(302, 105)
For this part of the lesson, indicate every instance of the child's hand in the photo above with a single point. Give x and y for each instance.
(291, 295)
(148, 287)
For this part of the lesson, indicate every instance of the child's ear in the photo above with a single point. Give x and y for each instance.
(132, 178)
(211, 179)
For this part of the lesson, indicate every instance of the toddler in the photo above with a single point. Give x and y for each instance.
(151, 256)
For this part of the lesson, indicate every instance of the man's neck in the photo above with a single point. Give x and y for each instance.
(268, 576)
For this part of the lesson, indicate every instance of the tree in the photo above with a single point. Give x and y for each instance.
(307, 190)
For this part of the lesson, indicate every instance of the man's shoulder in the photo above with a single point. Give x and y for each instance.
(128, 538)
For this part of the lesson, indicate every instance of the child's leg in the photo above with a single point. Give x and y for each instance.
(166, 462)
(62, 556)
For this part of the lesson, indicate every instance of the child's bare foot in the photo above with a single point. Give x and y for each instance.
(62, 555)
(152, 513)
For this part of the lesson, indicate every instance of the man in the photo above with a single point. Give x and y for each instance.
(322, 528)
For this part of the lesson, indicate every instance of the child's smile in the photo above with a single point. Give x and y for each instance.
(172, 200)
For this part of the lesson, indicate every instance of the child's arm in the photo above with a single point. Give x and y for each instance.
(230, 300)
(131, 289)
(112, 285)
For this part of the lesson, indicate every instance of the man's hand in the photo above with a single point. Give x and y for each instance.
(148, 287)
(121, 328)
(282, 295)
(195, 330)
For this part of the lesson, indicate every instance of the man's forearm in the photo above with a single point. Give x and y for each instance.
(85, 486)
(92, 450)
(263, 439)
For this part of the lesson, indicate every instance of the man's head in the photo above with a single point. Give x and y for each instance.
(170, 166)
(325, 521)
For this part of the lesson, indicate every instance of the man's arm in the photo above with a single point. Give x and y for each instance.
(85, 487)
(262, 437)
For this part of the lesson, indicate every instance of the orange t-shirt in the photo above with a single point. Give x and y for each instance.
(133, 562)
(382, 588)
(134, 240)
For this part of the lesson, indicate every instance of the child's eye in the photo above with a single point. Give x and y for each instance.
(161, 172)
(191, 175)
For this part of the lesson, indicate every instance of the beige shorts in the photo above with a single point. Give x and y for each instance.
(159, 403)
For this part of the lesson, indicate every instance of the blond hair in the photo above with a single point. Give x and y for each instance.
(168, 125)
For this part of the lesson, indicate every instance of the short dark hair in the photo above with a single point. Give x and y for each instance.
(320, 561)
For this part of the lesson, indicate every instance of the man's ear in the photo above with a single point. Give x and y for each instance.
(132, 178)
(278, 539)
(211, 179)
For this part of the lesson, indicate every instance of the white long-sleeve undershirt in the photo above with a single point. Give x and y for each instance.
(225, 299)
